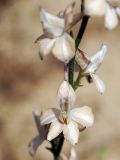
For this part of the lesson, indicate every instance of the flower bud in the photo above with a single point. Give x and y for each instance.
(66, 95)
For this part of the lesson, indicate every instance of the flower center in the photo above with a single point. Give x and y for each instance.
(63, 118)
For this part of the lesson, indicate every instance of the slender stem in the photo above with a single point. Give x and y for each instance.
(65, 72)
(72, 62)
(81, 31)
(77, 82)
(71, 71)
(77, 42)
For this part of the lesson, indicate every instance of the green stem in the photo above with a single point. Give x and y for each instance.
(81, 31)
(72, 62)
(77, 43)
(77, 82)
(71, 71)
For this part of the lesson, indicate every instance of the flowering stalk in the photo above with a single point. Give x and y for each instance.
(69, 75)
(75, 84)
(57, 143)
(54, 124)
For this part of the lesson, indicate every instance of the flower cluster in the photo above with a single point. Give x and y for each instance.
(66, 119)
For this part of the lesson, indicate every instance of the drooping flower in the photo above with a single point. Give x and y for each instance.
(67, 120)
(72, 156)
(110, 10)
(41, 137)
(55, 38)
(89, 66)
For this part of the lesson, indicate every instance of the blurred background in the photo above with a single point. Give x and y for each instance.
(27, 83)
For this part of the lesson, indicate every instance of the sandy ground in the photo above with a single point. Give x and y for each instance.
(26, 83)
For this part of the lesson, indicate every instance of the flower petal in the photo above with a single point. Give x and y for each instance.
(97, 59)
(82, 59)
(52, 25)
(71, 132)
(99, 56)
(55, 129)
(99, 83)
(73, 154)
(64, 48)
(34, 144)
(111, 19)
(45, 45)
(68, 14)
(50, 115)
(66, 94)
(83, 116)
(94, 7)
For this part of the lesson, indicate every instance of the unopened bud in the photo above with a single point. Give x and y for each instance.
(66, 95)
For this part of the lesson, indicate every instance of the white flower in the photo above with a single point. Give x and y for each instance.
(67, 122)
(106, 8)
(89, 66)
(55, 38)
(72, 156)
(66, 95)
(111, 17)
(94, 7)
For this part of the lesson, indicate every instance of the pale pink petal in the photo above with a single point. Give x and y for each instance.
(83, 116)
(111, 19)
(99, 83)
(76, 18)
(45, 46)
(64, 48)
(97, 60)
(82, 59)
(71, 132)
(55, 129)
(68, 14)
(52, 25)
(94, 7)
(70, 18)
(73, 154)
(50, 115)
(69, 9)
(99, 56)
(66, 94)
